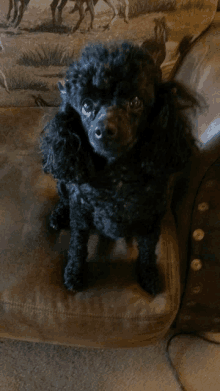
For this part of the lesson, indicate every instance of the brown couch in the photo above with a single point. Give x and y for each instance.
(113, 312)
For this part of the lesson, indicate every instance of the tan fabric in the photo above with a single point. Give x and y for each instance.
(113, 311)
(197, 363)
(35, 306)
(200, 71)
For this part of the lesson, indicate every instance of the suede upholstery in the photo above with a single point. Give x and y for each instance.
(35, 305)
(34, 302)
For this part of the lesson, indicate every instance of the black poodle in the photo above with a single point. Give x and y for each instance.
(118, 136)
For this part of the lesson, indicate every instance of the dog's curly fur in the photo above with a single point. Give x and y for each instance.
(118, 136)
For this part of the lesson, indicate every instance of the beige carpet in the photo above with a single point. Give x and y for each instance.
(28, 366)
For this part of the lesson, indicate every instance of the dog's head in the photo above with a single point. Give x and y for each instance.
(113, 90)
(115, 103)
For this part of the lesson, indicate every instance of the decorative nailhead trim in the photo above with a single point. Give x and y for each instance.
(196, 265)
(191, 303)
(197, 289)
(186, 317)
(203, 206)
(198, 234)
(210, 183)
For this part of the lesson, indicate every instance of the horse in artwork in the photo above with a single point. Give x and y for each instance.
(19, 7)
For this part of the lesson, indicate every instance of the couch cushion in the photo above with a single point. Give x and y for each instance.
(113, 311)
(196, 361)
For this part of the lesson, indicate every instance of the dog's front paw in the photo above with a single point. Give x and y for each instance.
(73, 282)
(150, 280)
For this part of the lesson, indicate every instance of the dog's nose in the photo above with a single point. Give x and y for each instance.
(98, 133)
(109, 131)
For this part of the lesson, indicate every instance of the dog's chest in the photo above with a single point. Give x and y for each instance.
(120, 197)
(119, 207)
(123, 200)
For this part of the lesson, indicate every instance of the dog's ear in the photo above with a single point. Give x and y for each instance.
(65, 147)
(156, 50)
(172, 131)
(150, 67)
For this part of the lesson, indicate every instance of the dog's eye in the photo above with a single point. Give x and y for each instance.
(87, 107)
(135, 104)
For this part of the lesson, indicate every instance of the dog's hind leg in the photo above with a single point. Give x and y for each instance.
(147, 271)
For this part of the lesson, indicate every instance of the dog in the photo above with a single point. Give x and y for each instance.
(119, 134)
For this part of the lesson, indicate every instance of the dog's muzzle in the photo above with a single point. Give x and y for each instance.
(104, 125)
(110, 133)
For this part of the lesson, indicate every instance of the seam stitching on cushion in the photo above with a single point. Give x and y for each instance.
(151, 317)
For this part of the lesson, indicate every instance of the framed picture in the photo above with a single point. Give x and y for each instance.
(39, 39)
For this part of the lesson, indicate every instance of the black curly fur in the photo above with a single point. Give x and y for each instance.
(112, 157)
